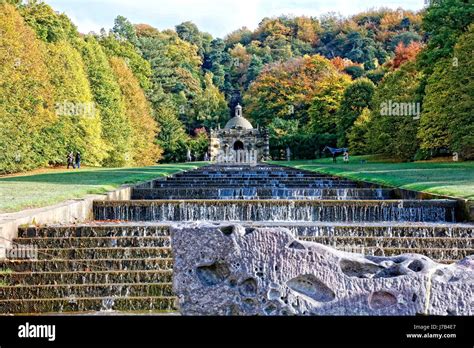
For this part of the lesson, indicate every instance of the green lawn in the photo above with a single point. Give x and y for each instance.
(54, 186)
(454, 179)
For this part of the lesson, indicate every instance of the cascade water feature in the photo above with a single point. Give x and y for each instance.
(276, 210)
(123, 260)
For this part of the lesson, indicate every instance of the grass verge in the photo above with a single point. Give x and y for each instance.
(455, 179)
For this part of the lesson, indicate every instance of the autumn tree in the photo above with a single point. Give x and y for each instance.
(143, 149)
(26, 103)
(287, 89)
(108, 98)
(79, 126)
(125, 49)
(325, 104)
(404, 54)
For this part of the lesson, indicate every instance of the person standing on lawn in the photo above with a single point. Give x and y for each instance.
(78, 160)
(70, 160)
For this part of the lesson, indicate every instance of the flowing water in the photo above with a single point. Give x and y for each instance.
(122, 262)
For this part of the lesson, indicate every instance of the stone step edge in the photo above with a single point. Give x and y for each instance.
(102, 260)
(43, 250)
(164, 271)
(105, 285)
(96, 224)
(55, 239)
(390, 238)
(93, 237)
(92, 298)
(299, 201)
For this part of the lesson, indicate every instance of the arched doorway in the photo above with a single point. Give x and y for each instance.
(238, 145)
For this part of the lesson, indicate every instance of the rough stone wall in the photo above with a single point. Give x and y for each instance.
(230, 270)
(252, 140)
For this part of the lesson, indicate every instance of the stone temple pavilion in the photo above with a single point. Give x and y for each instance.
(240, 140)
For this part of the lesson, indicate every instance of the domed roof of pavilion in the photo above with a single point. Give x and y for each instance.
(238, 121)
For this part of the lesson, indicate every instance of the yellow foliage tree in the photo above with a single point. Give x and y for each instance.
(143, 149)
(26, 106)
(78, 127)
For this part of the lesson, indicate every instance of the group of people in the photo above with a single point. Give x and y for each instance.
(190, 157)
(74, 161)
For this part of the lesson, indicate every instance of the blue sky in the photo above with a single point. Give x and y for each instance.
(218, 17)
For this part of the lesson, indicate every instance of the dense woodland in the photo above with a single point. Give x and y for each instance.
(311, 81)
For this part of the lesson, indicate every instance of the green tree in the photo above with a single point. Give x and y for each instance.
(172, 137)
(108, 97)
(125, 30)
(447, 120)
(189, 32)
(211, 106)
(356, 98)
(358, 134)
(393, 134)
(176, 72)
(49, 25)
(444, 21)
(255, 67)
(126, 50)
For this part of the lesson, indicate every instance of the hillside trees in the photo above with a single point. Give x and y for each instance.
(26, 103)
(143, 149)
(447, 120)
(107, 95)
(78, 126)
(444, 21)
(302, 95)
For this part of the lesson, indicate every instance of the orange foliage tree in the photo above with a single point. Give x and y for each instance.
(404, 54)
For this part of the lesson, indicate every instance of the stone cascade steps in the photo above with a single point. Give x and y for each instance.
(86, 277)
(112, 243)
(248, 177)
(87, 290)
(254, 183)
(139, 304)
(101, 253)
(86, 265)
(277, 210)
(124, 266)
(122, 261)
(99, 232)
(258, 192)
(89, 268)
